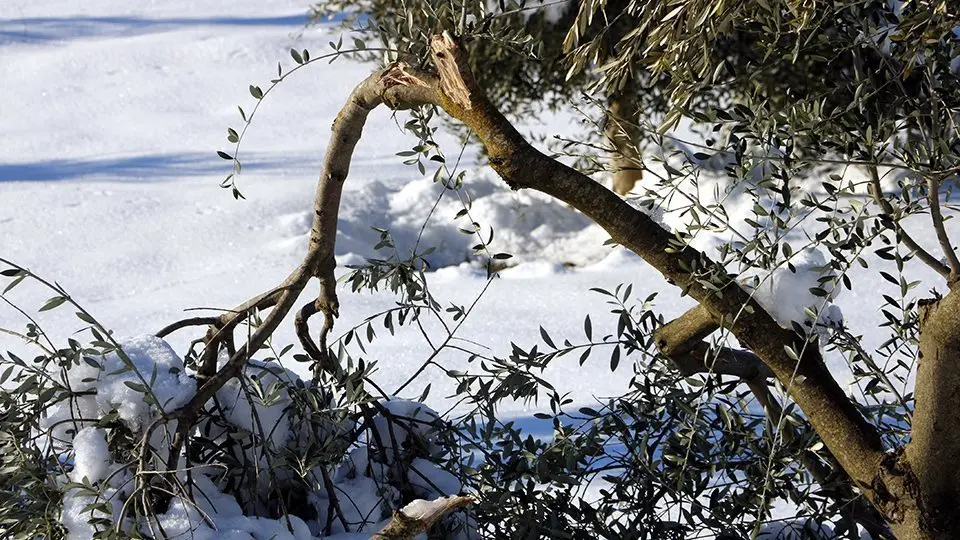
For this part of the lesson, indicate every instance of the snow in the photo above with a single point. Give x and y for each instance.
(118, 385)
(785, 291)
(91, 461)
(109, 185)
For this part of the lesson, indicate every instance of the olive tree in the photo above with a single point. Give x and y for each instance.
(812, 111)
(887, 106)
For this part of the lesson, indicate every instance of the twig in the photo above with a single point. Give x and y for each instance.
(876, 190)
(933, 196)
(193, 321)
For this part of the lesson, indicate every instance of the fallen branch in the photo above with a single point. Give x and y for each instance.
(418, 516)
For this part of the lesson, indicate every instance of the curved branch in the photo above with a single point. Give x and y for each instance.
(936, 215)
(319, 261)
(854, 441)
(184, 323)
(323, 360)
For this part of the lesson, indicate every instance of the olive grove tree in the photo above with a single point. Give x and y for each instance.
(836, 120)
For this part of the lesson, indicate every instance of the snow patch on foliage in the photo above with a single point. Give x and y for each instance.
(115, 383)
(789, 292)
(255, 420)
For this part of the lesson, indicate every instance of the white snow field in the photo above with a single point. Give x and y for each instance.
(110, 118)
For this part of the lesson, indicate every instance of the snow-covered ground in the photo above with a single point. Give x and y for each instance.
(110, 118)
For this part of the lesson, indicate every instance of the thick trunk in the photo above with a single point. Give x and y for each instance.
(621, 131)
(933, 456)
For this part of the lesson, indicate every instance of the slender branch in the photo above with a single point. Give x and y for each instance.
(876, 191)
(933, 196)
(193, 321)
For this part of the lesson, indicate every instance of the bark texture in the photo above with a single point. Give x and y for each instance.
(623, 135)
(933, 454)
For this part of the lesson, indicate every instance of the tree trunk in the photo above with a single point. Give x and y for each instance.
(622, 132)
(932, 458)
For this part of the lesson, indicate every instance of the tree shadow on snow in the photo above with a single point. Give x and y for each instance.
(140, 168)
(54, 29)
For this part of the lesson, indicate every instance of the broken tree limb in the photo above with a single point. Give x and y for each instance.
(318, 262)
(418, 516)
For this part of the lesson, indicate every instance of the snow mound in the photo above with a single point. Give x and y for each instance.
(119, 382)
(793, 294)
(529, 225)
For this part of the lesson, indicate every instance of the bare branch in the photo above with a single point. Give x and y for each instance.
(319, 261)
(185, 323)
(876, 190)
(933, 196)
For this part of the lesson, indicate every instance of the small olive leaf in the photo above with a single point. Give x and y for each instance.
(256, 92)
(224, 155)
(296, 56)
(136, 387)
(53, 303)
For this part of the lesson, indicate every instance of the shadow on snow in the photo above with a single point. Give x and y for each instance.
(52, 29)
(139, 168)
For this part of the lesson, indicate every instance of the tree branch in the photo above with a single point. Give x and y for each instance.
(876, 190)
(683, 333)
(323, 361)
(319, 261)
(193, 321)
(936, 216)
(852, 439)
